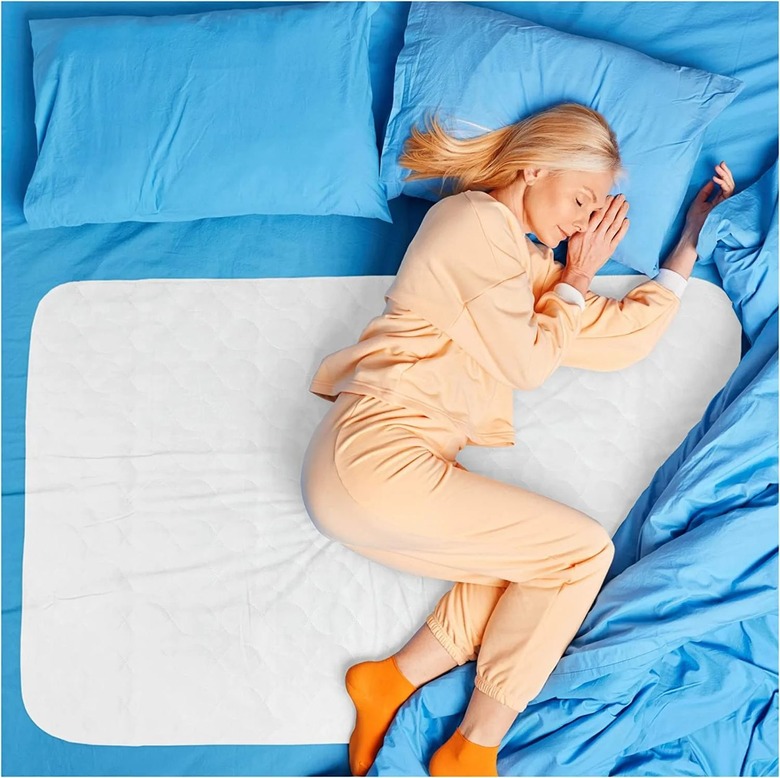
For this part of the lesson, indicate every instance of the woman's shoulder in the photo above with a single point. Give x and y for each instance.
(479, 203)
(475, 223)
(475, 211)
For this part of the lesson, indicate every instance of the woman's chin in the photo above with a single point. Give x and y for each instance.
(550, 240)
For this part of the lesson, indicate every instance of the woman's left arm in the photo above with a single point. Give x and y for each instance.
(615, 334)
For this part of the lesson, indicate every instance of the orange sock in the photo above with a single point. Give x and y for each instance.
(378, 690)
(459, 756)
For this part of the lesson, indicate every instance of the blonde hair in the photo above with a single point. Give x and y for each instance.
(568, 136)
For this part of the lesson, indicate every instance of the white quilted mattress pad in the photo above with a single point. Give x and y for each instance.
(174, 589)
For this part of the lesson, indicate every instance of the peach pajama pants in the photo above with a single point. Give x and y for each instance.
(383, 481)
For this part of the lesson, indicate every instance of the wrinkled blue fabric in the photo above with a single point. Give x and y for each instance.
(674, 669)
(745, 252)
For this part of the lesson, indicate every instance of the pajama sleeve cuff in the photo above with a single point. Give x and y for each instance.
(570, 294)
(672, 280)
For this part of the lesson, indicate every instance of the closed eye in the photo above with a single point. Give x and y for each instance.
(592, 210)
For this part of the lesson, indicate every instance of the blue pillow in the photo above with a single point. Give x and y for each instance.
(480, 69)
(226, 113)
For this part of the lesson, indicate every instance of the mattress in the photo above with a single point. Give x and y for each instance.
(174, 589)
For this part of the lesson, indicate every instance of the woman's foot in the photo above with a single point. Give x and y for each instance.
(460, 756)
(378, 689)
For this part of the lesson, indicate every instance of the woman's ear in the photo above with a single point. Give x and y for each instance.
(532, 174)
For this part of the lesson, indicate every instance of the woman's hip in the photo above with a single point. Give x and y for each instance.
(369, 455)
(380, 486)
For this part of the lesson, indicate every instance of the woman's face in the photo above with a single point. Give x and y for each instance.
(556, 204)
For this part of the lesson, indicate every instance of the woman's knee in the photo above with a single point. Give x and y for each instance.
(589, 547)
(596, 547)
(598, 539)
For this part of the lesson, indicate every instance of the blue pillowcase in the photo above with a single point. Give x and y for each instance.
(480, 69)
(226, 113)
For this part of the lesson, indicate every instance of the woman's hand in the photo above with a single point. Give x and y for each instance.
(590, 249)
(684, 255)
(700, 209)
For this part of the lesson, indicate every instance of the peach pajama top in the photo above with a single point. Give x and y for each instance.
(476, 310)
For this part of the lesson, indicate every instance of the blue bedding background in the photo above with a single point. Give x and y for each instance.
(683, 649)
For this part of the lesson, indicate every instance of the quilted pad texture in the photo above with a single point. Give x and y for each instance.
(174, 590)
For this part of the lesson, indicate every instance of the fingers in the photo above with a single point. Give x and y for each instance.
(613, 208)
(705, 191)
(725, 181)
(619, 235)
(724, 178)
(614, 216)
(619, 220)
(597, 216)
(608, 223)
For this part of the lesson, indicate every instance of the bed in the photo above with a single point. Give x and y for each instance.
(168, 608)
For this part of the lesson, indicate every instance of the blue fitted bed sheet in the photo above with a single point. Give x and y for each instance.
(732, 38)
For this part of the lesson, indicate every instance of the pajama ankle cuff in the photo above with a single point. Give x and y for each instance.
(498, 694)
(460, 656)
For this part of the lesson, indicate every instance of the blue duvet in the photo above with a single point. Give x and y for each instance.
(674, 670)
